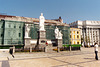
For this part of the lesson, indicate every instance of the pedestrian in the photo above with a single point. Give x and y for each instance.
(96, 51)
(11, 52)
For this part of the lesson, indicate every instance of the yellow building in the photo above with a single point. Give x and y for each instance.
(75, 36)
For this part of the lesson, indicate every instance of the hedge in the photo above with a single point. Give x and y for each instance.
(74, 45)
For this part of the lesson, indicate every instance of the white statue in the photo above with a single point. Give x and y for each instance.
(27, 29)
(56, 33)
(60, 35)
(41, 24)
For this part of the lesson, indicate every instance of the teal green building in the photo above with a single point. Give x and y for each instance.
(12, 32)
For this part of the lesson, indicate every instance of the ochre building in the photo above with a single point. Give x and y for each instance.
(75, 36)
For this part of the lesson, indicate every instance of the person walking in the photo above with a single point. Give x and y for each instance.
(96, 51)
(11, 52)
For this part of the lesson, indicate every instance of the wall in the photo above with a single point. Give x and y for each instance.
(13, 33)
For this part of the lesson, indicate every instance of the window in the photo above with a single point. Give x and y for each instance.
(14, 26)
(19, 26)
(77, 32)
(70, 36)
(1, 35)
(77, 42)
(77, 36)
(19, 34)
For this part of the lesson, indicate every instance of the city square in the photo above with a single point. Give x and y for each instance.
(81, 58)
(50, 33)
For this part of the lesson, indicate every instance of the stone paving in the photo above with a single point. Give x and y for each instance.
(83, 58)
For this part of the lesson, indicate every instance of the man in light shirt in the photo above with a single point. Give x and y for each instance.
(96, 51)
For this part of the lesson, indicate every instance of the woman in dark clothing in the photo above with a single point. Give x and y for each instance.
(11, 52)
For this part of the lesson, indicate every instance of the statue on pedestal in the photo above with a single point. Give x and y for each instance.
(58, 34)
(27, 29)
(41, 24)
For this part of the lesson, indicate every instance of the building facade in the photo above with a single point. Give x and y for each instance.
(90, 31)
(12, 30)
(75, 36)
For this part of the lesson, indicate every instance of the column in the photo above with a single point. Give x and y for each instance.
(98, 36)
(92, 35)
(84, 34)
(87, 32)
(89, 36)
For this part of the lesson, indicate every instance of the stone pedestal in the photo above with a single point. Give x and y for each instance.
(49, 48)
(59, 42)
(42, 34)
(30, 48)
(27, 42)
(42, 39)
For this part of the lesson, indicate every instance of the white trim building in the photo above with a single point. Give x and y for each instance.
(89, 29)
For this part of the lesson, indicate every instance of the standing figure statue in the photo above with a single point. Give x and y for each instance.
(27, 29)
(60, 35)
(41, 24)
(56, 33)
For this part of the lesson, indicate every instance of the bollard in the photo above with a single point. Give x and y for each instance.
(13, 49)
(58, 49)
(80, 48)
(70, 48)
(30, 49)
(44, 49)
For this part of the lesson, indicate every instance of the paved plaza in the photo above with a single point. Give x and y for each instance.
(83, 58)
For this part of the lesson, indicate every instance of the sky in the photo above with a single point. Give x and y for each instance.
(69, 10)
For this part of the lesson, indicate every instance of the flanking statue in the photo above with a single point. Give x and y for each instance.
(58, 34)
(27, 29)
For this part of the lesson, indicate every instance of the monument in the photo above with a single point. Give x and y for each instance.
(41, 24)
(27, 38)
(27, 29)
(58, 36)
(42, 33)
(56, 33)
